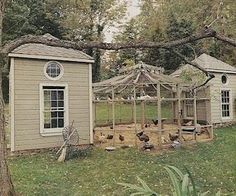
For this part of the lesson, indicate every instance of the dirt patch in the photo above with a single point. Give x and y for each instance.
(130, 138)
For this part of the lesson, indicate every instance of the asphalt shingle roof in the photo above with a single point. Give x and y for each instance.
(209, 63)
(50, 51)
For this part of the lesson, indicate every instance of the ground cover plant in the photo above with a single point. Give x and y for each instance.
(212, 165)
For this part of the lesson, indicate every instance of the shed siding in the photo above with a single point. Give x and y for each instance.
(215, 87)
(29, 74)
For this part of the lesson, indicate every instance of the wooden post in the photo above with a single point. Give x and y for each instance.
(159, 113)
(179, 111)
(142, 109)
(195, 112)
(113, 115)
(94, 109)
(135, 116)
(211, 132)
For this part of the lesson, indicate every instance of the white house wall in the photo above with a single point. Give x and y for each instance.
(215, 91)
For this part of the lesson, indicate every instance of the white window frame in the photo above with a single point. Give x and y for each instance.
(230, 104)
(61, 70)
(53, 131)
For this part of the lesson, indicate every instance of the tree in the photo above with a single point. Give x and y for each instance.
(129, 34)
(23, 17)
(6, 186)
(171, 19)
(88, 19)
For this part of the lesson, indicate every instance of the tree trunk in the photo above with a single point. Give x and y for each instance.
(6, 186)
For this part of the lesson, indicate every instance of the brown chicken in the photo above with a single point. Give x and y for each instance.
(173, 137)
(142, 136)
(102, 138)
(121, 138)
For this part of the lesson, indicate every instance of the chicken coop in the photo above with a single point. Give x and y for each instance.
(142, 99)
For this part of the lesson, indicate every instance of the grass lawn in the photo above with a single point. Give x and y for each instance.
(213, 166)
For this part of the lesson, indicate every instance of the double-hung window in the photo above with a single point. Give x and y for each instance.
(53, 109)
(225, 103)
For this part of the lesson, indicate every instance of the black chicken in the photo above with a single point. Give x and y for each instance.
(109, 137)
(155, 121)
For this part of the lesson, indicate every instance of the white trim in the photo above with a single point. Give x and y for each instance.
(50, 58)
(53, 132)
(90, 104)
(230, 117)
(61, 70)
(12, 102)
(221, 71)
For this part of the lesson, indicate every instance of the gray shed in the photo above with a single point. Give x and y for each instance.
(49, 88)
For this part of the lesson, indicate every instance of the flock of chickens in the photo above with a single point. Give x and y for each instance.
(143, 137)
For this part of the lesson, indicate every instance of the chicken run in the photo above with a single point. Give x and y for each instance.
(138, 88)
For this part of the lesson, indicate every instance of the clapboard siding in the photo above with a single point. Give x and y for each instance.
(29, 73)
(216, 86)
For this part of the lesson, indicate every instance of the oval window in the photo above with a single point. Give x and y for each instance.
(224, 79)
(53, 70)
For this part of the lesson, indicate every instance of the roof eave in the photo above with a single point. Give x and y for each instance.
(50, 58)
(221, 71)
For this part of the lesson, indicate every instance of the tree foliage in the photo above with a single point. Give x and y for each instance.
(24, 17)
(166, 20)
(87, 20)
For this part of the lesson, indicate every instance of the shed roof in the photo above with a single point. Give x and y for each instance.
(208, 62)
(41, 51)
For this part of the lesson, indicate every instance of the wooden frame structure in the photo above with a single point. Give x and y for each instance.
(137, 80)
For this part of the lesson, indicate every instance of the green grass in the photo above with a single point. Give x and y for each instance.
(124, 112)
(213, 166)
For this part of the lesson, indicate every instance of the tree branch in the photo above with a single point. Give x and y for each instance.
(207, 33)
(226, 39)
(209, 75)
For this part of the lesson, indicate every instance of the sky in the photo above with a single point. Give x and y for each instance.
(132, 11)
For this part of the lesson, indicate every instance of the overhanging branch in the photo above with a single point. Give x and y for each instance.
(225, 39)
(207, 33)
(209, 75)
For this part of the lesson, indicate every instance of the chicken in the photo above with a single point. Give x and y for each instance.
(109, 137)
(142, 136)
(155, 122)
(173, 137)
(139, 133)
(102, 138)
(147, 125)
(163, 140)
(121, 138)
(148, 146)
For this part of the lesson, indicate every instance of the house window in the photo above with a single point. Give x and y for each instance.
(53, 108)
(224, 79)
(225, 103)
(53, 70)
